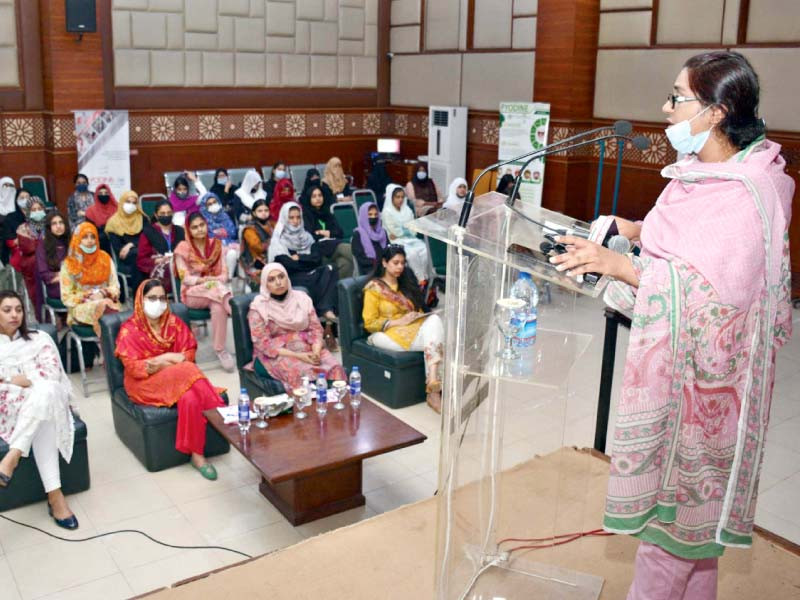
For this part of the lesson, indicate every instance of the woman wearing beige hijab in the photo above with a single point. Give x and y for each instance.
(335, 187)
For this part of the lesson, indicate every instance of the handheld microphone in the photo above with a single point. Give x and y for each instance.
(621, 128)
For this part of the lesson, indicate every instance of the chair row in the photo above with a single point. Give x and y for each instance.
(236, 175)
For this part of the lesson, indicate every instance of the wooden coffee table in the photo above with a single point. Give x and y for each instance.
(311, 468)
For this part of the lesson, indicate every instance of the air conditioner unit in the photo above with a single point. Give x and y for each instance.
(447, 145)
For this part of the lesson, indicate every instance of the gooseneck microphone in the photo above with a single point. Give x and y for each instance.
(621, 128)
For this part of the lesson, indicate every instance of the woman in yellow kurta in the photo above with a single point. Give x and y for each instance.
(395, 316)
(89, 286)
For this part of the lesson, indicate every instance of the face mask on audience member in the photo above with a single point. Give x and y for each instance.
(182, 195)
(164, 219)
(82, 187)
(129, 208)
(104, 198)
(422, 175)
(214, 208)
(88, 249)
(222, 180)
(37, 215)
(23, 202)
(373, 221)
(280, 174)
(154, 308)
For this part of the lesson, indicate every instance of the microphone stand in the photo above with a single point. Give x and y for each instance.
(467, 208)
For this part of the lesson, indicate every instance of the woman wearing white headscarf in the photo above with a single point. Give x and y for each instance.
(396, 216)
(456, 194)
(294, 248)
(252, 189)
(8, 194)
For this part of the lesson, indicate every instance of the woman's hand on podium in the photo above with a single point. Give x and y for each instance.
(629, 229)
(583, 256)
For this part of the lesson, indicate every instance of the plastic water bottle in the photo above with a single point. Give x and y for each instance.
(244, 412)
(322, 395)
(355, 387)
(525, 289)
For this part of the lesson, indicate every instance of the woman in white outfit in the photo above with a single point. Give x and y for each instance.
(34, 405)
(456, 194)
(396, 216)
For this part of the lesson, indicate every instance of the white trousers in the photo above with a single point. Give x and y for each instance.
(232, 261)
(429, 339)
(41, 436)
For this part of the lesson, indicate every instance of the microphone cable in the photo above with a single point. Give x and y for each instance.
(99, 535)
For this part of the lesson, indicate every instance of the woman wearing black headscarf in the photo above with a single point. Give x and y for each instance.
(13, 220)
(321, 224)
(313, 179)
(224, 189)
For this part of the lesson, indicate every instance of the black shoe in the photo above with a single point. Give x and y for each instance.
(70, 522)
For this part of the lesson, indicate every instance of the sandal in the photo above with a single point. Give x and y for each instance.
(434, 387)
(207, 470)
(4, 479)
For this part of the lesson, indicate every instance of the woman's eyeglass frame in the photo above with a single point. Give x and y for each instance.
(674, 99)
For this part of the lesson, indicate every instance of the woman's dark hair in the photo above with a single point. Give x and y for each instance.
(505, 181)
(159, 204)
(275, 166)
(407, 283)
(51, 241)
(23, 325)
(193, 217)
(310, 192)
(726, 79)
(257, 203)
(78, 176)
(218, 171)
(180, 180)
(149, 284)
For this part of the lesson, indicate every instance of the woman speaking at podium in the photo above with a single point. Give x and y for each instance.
(710, 296)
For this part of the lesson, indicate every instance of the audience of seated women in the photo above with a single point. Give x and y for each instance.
(221, 227)
(247, 195)
(101, 211)
(322, 225)
(334, 184)
(8, 194)
(284, 192)
(456, 194)
(156, 245)
(23, 248)
(395, 317)
(286, 333)
(34, 405)
(184, 203)
(225, 190)
(79, 201)
(396, 216)
(200, 264)
(51, 253)
(13, 220)
(369, 238)
(279, 172)
(422, 191)
(124, 229)
(293, 247)
(255, 243)
(157, 350)
(89, 285)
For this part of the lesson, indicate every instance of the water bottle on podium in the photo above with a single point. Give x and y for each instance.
(525, 289)
(322, 395)
(355, 387)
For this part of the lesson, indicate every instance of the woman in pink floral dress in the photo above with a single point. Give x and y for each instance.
(287, 335)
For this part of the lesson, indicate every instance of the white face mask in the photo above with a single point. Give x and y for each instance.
(129, 208)
(681, 138)
(23, 203)
(154, 308)
(280, 174)
(214, 208)
(422, 174)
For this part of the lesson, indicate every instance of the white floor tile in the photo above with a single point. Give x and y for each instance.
(782, 499)
(114, 587)
(400, 493)
(15, 537)
(381, 471)
(163, 573)
(131, 497)
(53, 567)
(8, 584)
(343, 519)
(263, 540)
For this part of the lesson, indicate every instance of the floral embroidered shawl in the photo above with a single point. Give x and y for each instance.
(707, 321)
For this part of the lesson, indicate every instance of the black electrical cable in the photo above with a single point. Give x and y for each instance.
(99, 535)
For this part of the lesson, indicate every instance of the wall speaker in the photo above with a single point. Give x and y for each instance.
(81, 16)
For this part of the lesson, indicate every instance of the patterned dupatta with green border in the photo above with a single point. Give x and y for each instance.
(711, 309)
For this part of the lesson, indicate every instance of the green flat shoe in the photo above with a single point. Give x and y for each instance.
(207, 470)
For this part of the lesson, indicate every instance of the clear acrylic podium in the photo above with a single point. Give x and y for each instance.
(498, 414)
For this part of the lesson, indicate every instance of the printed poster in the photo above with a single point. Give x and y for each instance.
(103, 144)
(523, 128)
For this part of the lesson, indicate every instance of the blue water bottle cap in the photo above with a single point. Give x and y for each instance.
(321, 375)
(355, 367)
(244, 390)
(524, 275)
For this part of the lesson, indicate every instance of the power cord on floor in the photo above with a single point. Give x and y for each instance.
(99, 535)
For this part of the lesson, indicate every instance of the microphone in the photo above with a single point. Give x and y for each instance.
(621, 128)
(619, 243)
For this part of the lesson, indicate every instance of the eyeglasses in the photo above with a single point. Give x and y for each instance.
(674, 99)
(156, 298)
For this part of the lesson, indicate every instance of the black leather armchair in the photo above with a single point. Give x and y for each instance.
(26, 485)
(395, 379)
(250, 380)
(148, 431)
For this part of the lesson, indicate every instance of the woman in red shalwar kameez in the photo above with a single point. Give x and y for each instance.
(157, 350)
